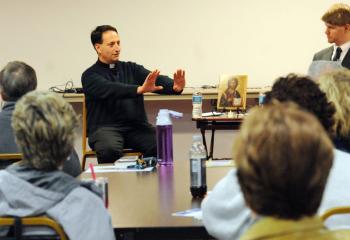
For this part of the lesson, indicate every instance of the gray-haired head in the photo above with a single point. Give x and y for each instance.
(16, 79)
(44, 125)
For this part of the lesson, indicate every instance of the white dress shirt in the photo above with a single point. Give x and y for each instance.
(345, 47)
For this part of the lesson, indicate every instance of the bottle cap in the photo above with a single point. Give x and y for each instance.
(163, 117)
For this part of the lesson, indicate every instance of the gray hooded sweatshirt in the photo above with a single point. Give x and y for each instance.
(76, 206)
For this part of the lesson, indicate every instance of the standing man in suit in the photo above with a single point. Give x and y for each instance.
(337, 21)
(116, 116)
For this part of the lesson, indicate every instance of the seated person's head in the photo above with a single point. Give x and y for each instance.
(336, 85)
(283, 157)
(44, 125)
(307, 94)
(16, 79)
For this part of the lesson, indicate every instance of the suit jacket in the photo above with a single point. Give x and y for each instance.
(326, 54)
(8, 144)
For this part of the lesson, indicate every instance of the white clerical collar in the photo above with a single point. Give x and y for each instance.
(112, 65)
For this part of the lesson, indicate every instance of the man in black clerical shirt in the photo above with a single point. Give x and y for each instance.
(116, 117)
(337, 21)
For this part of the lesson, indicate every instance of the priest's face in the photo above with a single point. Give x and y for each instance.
(109, 50)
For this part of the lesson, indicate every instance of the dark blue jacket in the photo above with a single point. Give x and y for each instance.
(8, 144)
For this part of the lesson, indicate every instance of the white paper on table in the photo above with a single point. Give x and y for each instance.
(124, 165)
(101, 169)
(210, 114)
(194, 212)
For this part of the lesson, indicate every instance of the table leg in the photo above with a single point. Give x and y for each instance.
(212, 144)
(204, 142)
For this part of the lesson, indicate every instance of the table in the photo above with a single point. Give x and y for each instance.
(213, 124)
(186, 95)
(141, 203)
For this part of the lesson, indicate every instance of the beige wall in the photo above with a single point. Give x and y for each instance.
(263, 39)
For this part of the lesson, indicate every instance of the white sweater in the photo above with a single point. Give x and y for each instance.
(225, 215)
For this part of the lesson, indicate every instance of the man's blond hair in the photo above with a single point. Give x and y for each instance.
(338, 14)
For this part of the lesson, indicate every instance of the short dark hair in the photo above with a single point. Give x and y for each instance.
(16, 79)
(283, 158)
(307, 94)
(96, 34)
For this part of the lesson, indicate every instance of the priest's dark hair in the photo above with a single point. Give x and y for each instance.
(96, 34)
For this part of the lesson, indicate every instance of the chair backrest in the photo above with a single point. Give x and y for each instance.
(84, 126)
(19, 223)
(85, 152)
(11, 156)
(7, 159)
(333, 211)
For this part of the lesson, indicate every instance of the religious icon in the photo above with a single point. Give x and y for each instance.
(232, 92)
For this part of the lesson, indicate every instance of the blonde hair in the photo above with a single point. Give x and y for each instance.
(338, 14)
(44, 125)
(283, 156)
(336, 85)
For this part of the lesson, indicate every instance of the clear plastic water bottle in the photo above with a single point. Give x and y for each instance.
(261, 98)
(197, 168)
(262, 95)
(164, 136)
(197, 100)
